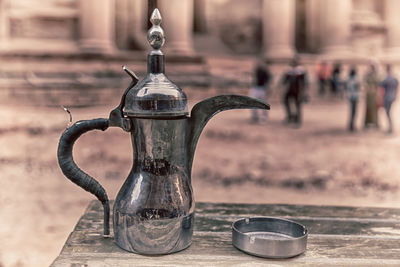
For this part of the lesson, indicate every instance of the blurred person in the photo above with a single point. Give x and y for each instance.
(261, 80)
(353, 89)
(295, 83)
(371, 83)
(335, 79)
(323, 71)
(389, 84)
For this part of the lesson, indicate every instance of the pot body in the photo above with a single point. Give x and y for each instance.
(154, 209)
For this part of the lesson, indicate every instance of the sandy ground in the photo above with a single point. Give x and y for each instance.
(320, 163)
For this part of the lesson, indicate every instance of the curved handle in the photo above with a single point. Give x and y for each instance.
(73, 172)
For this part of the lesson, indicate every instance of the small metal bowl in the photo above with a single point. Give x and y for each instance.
(269, 237)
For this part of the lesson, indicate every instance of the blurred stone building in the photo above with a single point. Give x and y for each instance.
(70, 52)
(279, 29)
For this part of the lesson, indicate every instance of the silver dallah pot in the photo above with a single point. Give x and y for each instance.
(154, 210)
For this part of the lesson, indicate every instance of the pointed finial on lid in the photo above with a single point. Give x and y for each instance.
(156, 17)
(155, 35)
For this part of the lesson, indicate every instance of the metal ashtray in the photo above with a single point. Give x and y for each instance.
(269, 237)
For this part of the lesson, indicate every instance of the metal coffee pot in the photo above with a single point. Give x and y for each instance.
(154, 210)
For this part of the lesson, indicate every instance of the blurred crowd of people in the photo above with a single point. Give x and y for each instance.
(380, 92)
(295, 82)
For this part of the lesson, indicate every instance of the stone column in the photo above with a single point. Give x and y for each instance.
(129, 30)
(137, 19)
(313, 25)
(336, 28)
(279, 28)
(392, 20)
(97, 22)
(200, 15)
(4, 25)
(122, 15)
(177, 22)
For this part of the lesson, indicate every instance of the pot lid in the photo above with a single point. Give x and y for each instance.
(155, 96)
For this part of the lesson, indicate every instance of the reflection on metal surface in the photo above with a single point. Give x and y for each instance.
(70, 116)
(157, 197)
(154, 209)
(137, 189)
(155, 36)
(269, 237)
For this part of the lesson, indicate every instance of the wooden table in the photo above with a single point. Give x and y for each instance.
(337, 236)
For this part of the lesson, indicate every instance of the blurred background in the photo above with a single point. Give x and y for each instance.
(69, 53)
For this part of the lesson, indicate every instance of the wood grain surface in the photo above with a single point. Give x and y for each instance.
(337, 236)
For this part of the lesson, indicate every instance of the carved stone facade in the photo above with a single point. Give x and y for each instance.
(279, 29)
(38, 25)
(345, 29)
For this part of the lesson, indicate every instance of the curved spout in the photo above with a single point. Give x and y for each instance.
(203, 111)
